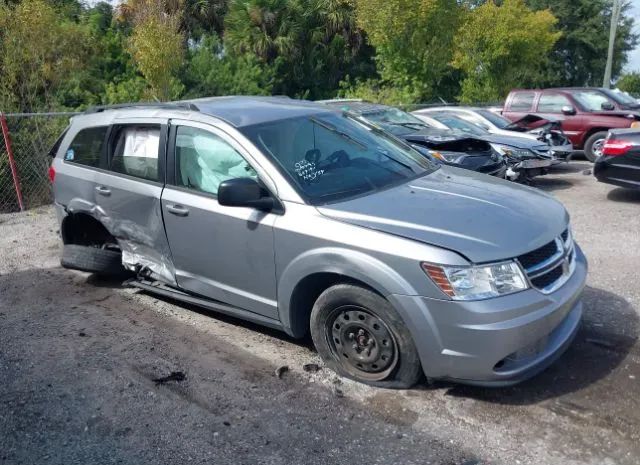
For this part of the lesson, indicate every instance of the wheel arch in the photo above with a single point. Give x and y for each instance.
(309, 275)
(591, 132)
(84, 229)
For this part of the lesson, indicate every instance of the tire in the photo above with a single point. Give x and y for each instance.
(351, 326)
(92, 259)
(594, 139)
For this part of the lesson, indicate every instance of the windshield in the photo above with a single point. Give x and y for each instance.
(497, 120)
(396, 121)
(331, 157)
(590, 100)
(453, 122)
(622, 97)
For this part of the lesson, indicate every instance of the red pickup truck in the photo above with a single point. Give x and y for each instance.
(586, 114)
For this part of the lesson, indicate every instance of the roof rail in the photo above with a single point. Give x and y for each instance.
(342, 100)
(166, 105)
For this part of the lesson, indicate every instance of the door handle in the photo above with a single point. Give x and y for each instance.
(178, 210)
(103, 191)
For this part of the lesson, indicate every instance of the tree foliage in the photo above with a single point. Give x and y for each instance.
(579, 56)
(40, 51)
(630, 83)
(156, 45)
(413, 40)
(68, 54)
(502, 47)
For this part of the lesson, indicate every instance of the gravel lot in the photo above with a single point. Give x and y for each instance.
(78, 357)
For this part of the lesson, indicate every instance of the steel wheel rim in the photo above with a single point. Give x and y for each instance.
(362, 342)
(597, 147)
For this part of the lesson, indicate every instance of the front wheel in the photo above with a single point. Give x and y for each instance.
(360, 335)
(594, 144)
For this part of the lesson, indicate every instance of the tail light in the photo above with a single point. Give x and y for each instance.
(615, 147)
(52, 174)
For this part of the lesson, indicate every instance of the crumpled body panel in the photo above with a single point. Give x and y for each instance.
(143, 242)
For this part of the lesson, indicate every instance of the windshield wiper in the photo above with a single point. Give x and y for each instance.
(342, 134)
(408, 124)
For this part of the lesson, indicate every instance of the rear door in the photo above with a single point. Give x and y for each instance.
(551, 104)
(519, 104)
(224, 253)
(128, 192)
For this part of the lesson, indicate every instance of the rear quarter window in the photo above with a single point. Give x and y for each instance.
(86, 147)
(522, 101)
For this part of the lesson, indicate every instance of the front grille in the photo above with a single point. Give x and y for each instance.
(539, 255)
(549, 266)
(548, 278)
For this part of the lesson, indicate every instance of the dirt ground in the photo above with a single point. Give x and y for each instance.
(78, 356)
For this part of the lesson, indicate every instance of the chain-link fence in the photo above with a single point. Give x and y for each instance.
(31, 136)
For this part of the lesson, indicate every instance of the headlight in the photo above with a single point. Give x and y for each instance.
(449, 157)
(477, 282)
(512, 151)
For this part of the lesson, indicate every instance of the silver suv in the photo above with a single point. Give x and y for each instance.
(302, 218)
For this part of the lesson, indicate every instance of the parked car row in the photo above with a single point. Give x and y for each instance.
(452, 138)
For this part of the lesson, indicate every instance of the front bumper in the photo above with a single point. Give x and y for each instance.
(495, 342)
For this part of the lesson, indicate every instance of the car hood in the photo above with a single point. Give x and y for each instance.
(480, 217)
(516, 141)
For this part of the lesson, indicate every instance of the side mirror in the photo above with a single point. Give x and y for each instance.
(607, 106)
(568, 110)
(244, 192)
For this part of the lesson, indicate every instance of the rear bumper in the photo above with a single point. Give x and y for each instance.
(496, 342)
(623, 171)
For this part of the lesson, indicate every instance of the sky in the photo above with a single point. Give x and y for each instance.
(634, 57)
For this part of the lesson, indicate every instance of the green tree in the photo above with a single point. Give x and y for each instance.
(210, 71)
(373, 90)
(40, 51)
(579, 56)
(502, 47)
(630, 83)
(311, 44)
(157, 47)
(413, 41)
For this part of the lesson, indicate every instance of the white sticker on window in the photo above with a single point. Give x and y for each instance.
(69, 155)
(307, 170)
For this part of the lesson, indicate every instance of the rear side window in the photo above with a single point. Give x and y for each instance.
(135, 151)
(86, 147)
(522, 101)
(553, 103)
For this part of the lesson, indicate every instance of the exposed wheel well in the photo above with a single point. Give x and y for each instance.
(82, 229)
(307, 292)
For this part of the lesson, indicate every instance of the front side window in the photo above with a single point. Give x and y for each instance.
(522, 101)
(86, 147)
(498, 121)
(135, 151)
(553, 103)
(329, 157)
(590, 100)
(453, 122)
(204, 160)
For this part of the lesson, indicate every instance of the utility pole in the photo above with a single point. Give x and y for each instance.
(615, 16)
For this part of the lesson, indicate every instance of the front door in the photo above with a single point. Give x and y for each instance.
(551, 104)
(225, 253)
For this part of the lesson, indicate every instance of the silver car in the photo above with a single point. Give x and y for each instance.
(302, 218)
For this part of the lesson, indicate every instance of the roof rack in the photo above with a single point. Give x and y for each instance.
(162, 105)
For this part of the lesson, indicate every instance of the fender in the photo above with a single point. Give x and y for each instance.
(345, 262)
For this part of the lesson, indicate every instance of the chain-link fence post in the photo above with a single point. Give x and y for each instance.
(12, 163)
